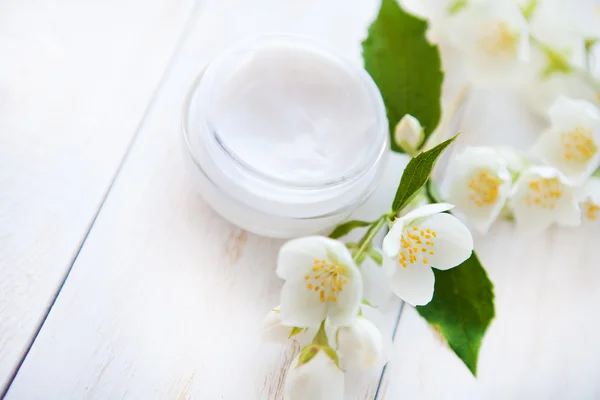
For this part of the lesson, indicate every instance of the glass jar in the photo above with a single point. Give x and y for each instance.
(232, 176)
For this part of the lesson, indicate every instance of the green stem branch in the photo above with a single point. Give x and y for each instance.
(365, 243)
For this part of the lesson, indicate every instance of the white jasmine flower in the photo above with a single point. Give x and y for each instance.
(555, 24)
(541, 197)
(317, 379)
(557, 21)
(360, 344)
(437, 13)
(590, 201)
(493, 39)
(321, 280)
(479, 185)
(424, 238)
(560, 30)
(409, 134)
(571, 145)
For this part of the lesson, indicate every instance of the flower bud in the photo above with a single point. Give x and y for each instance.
(318, 378)
(409, 134)
(360, 344)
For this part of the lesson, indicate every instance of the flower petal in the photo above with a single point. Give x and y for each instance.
(426, 211)
(296, 256)
(389, 266)
(531, 212)
(301, 306)
(487, 170)
(569, 116)
(591, 191)
(453, 242)
(391, 242)
(273, 330)
(343, 311)
(360, 344)
(414, 284)
(318, 379)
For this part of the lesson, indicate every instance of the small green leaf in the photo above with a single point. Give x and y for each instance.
(457, 6)
(416, 175)
(308, 353)
(331, 353)
(347, 227)
(528, 9)
(405, 67)
(462, 308)
(589, 44)
(321, 336)
(295, 331)
(557, 63)
(366, 303)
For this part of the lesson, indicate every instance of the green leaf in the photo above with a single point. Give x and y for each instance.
(367, 303)
(416, 175)
(321, 336)
(295, 330)
(331, 353)
(347, 227)
(405, 67)
(308, 353)
(528, 9)
(462, 308)
(457, 6)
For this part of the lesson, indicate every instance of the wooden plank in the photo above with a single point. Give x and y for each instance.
(543, 343)
(75, 81)
(166, 299)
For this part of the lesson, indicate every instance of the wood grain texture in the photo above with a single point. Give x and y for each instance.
(75, 80)
(543, 343)
(166, 299)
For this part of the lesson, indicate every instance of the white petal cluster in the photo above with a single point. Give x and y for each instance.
(321, 281)
(479, 184)
(424, 238)
(536, 48)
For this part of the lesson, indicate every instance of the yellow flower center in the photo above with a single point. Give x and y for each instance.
(417, 244)
(499, 41)
(544, 192)
(591, 210)
(578, 145)
(483, 188)
(326, 279)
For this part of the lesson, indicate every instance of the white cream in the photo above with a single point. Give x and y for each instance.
(288, 139)
(294, 113)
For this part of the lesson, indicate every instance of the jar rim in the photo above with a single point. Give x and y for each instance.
(356, 172)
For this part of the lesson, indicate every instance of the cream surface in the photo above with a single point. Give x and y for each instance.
(293, 113)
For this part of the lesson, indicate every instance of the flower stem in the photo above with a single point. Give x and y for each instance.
(365, 242)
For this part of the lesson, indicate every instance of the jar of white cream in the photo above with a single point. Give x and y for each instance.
(285, 138)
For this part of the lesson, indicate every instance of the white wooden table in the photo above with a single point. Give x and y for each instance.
(118, 281)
